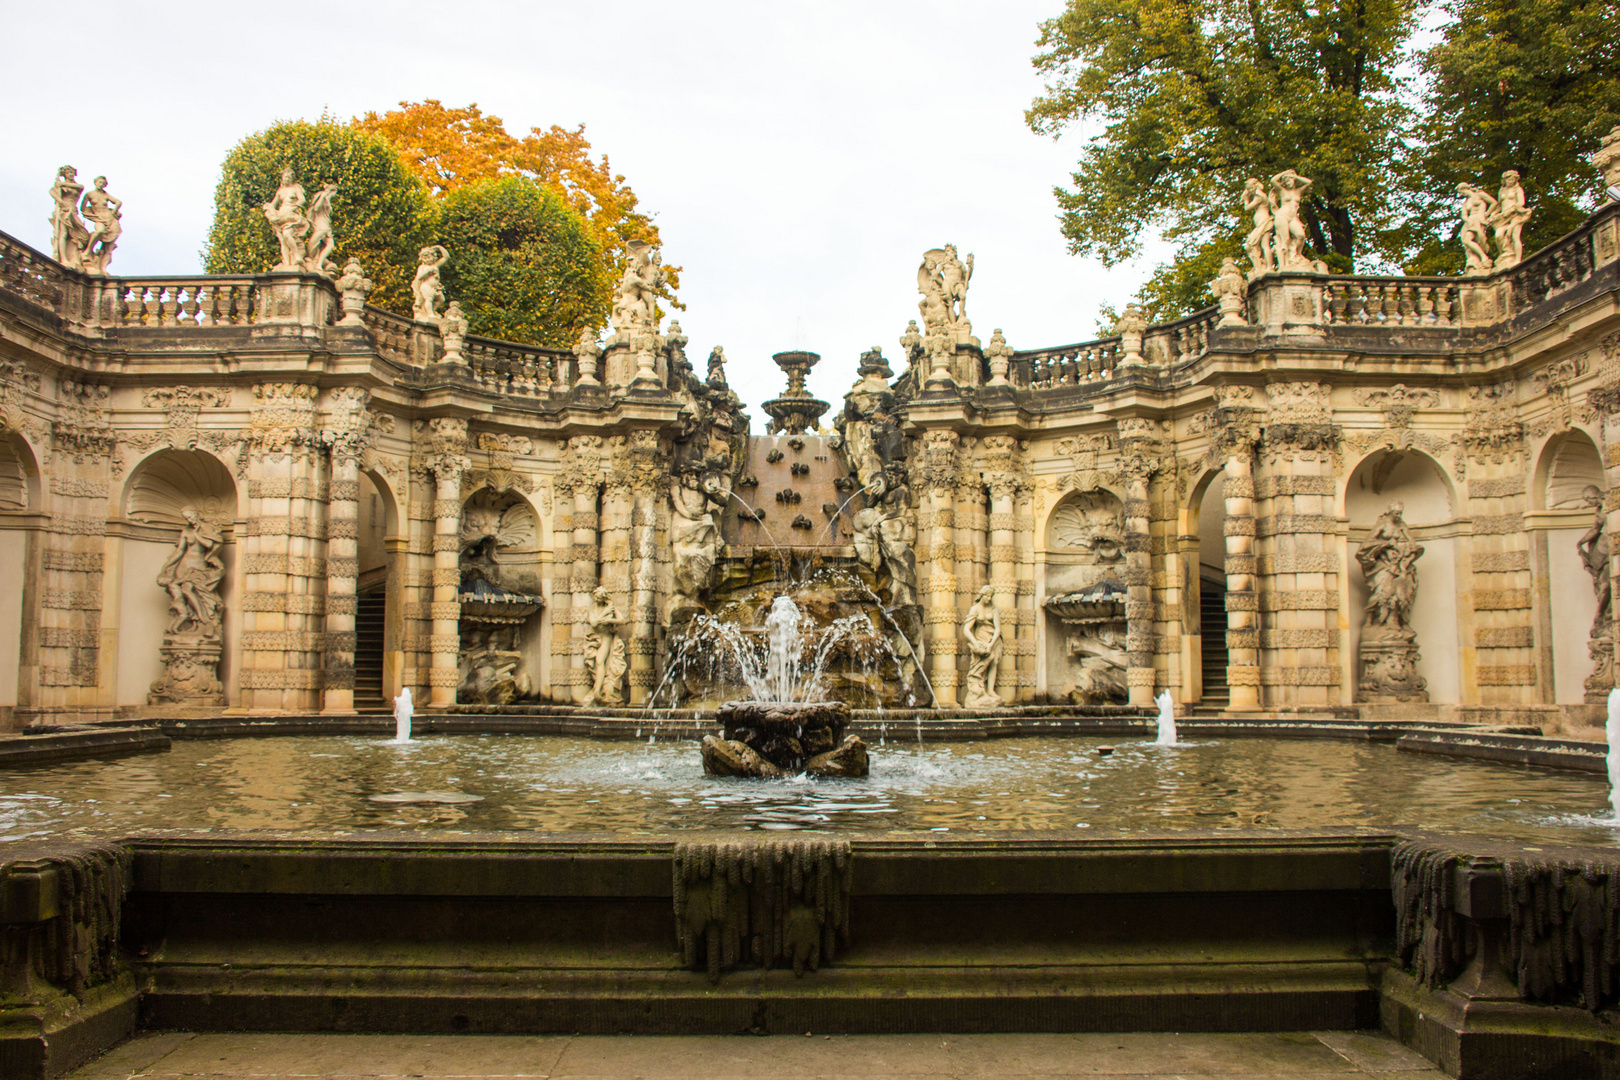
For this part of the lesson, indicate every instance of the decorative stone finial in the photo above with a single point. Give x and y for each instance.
(796, 410)
(1000, 355)
(1607, 160)
(1130, 327)
(1230, 291)
(453, 328)
(587, 352)
(355, 286)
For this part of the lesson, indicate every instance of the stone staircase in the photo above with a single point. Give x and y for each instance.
(1212, 626)
(368, 651)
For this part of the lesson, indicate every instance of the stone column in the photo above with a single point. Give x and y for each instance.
(1028, 615)
(647, 465)
(1297, 537)
(971, 564)
(345, 437)
(447, 461)
(934, 474)
(581, 476)
(1242, 595)
(1139, 462)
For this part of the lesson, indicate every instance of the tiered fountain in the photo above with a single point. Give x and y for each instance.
(783, 731)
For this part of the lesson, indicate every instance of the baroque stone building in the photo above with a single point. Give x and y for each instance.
(262, 494)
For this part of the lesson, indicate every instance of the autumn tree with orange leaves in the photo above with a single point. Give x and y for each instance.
(450, 148)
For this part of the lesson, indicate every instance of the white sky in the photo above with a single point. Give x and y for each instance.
(799, 157)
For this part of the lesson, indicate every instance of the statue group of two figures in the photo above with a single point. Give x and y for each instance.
(1277, 241)
(1505, 217)
(303, 227)
(73, 244)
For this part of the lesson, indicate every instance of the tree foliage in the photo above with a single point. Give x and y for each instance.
(1195, 96)
(449, 148)
(1531, 85)
(523, 264)
(381, 214)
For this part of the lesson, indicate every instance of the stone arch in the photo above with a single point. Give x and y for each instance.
(19, 475)
(1568, 463)
(159, 488)
(19, 494)
(502, 635)
(165, 482)
(1204, 589)
(379, 657)
(1421, 484)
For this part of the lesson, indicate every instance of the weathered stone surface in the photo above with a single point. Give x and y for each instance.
(767, 738)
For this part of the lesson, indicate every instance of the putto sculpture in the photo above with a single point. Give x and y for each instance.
(427, 292)
(72, 243)
(1389, 651)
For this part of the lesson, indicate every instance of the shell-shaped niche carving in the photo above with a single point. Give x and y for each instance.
(505, 515)
(14, 474)
(1090, 522)
(1575, 466)
(166, 483)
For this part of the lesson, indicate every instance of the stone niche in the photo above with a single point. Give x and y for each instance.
(1085, 599)
(500, 599)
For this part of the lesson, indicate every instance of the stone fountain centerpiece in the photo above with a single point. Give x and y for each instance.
(796, 410)
(779, 732)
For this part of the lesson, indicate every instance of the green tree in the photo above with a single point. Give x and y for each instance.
(380, 215)
(524, 265)
(1195, 96)
(1531, 85)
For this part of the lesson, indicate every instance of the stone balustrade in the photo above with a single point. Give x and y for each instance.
(1080, 364)
(180, 302)
(1391, 301)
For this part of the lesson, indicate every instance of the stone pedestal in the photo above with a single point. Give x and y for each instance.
(191, 672)
(1389, 666)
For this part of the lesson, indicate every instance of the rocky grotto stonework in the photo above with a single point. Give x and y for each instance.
(781, 738)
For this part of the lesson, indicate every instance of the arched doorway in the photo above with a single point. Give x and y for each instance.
(376, 679)
(1209, 591)
(19, 496)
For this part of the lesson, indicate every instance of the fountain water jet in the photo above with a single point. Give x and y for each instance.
(1167, 719)
(784, 730)
(402, 716)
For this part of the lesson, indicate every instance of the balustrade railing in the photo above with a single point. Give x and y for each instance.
(180, 302)
(26, 273)
(390, 334)
(1185, 339)
(505, 367)
(1069, 365)
(1392, 301)
(1554, 269)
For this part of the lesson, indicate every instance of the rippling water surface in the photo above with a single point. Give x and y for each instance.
(566, 784)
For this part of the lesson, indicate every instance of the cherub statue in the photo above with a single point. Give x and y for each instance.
(426, 290)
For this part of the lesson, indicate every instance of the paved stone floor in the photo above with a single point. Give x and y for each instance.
(1328, 1055)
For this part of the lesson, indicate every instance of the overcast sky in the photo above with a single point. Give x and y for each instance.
(799, 157)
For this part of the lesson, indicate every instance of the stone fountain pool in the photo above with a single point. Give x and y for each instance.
(558, 784)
